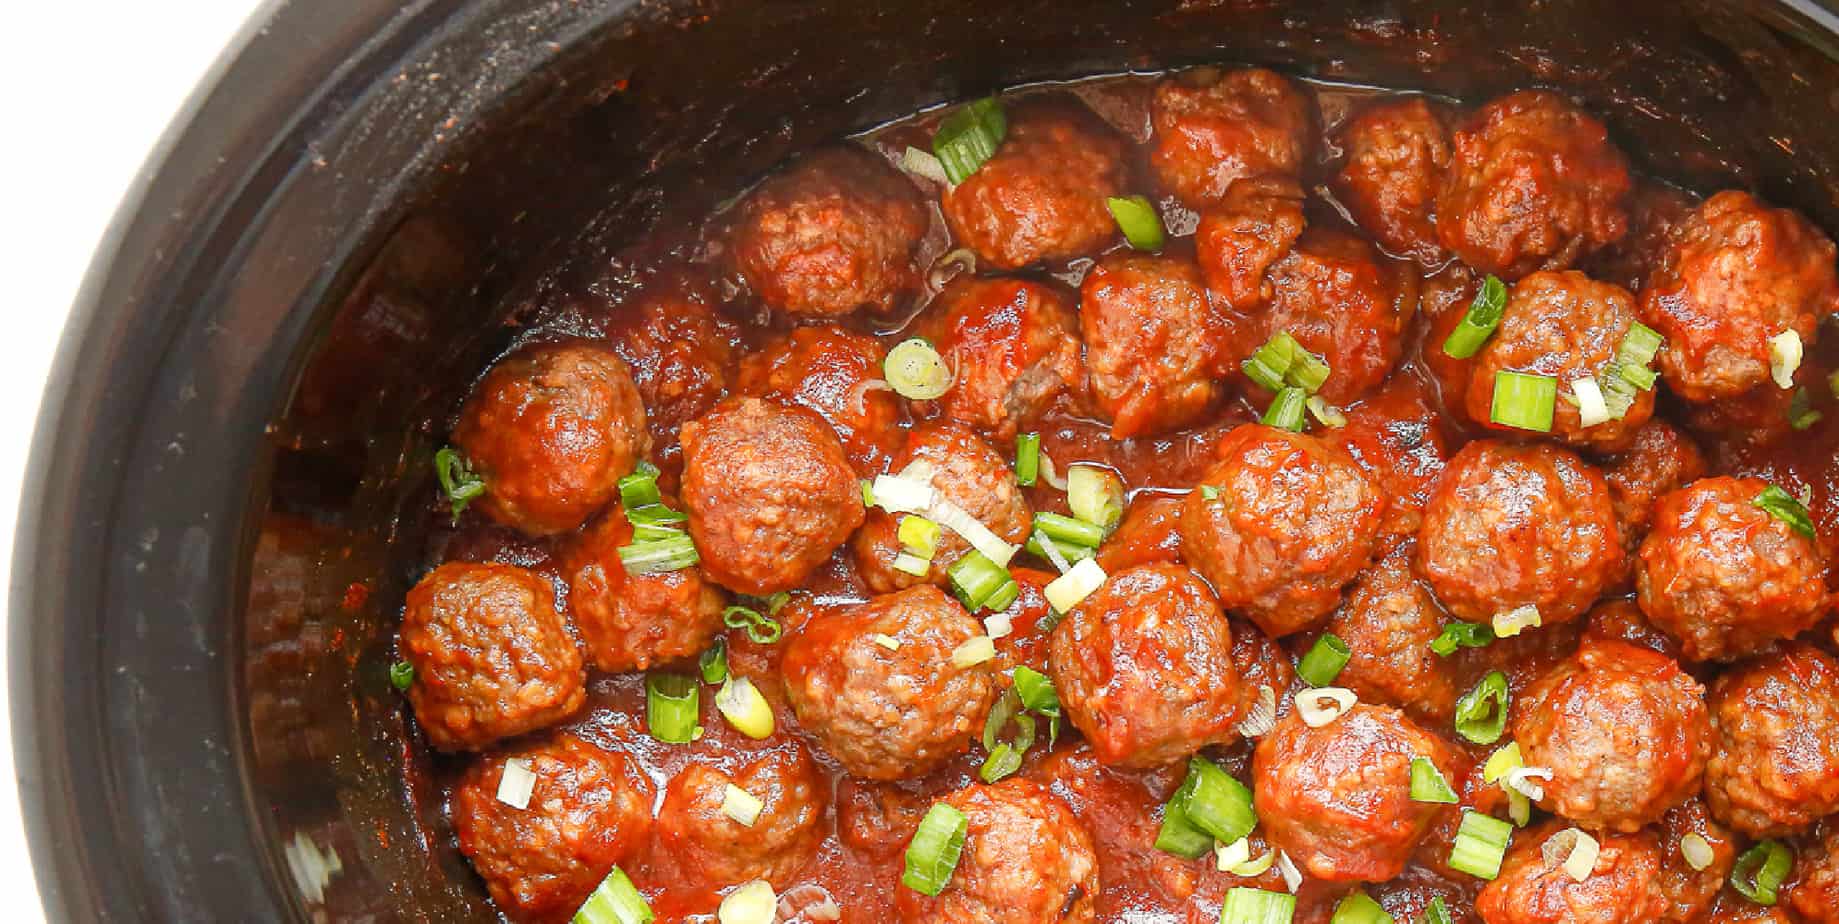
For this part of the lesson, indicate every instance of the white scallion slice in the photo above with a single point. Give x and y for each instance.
(1520, 780)
(518, 781)
(1263, 715)
(1327, 414)
(1227, 857)
(1253, 868)
(1322, 705)
(971, 530)
(1052, 551)
(1516, 620)
(909, 563)
(1095, 494)
(1065, 591)
(810, 900)
(753, 903)
(916, 370)
(1573, 850)
(1292, 877)
(923, 163)
(1591, 408)
(1697, 851)
(742, 806)
(999, 625)
(1784, 357)
(742, 704)
(1053, 477)
(886, 641)
(973, 652)
(901, 494)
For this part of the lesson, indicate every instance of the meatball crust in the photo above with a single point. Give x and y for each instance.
(1215, 126)
(1014, 344)
(1565, 326)
(1512, 525)
(1042, 196)
(1622, 729)
(1624, 887)
(492, 656)
(1341, 298)
(1153, 343)
(1027, 859)
(703, 844)
(1813, 890)
(769, 493)
(1388, 622)
(1337, 799)
(1533, 184)
(1724, 576)
(678, 350)
(887, 714)
(1397, 154)
(965, 471)
(831, 234)
(1736, 272)
(1774, 766)
(836, 373)
(1238, 239)
(1294, 520)
(1144, 667)
(587, 810)
(1658, 460)
(552, 429)
(630, 622)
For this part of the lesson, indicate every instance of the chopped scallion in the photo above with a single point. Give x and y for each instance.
(1096, 495)
(1321, 705)
(745, 707)
(1027, 459)
(1004, 597)
(645, 532)
(1001, 764)
(1481, 713)
(1462, 635)
(402, 676)
(1178, 835)
(1481, 844)
(975, 578)
(1801, 413)
(671, 707)
(1784, 507)
(1360, 908)
(516, 782)
(933, 853)
(909, 563)
(1437, 912)
(741, 806)
(1286, 410)
(1428, 784)
(1784, 357)
(714, 662)
(915, 370)
(1524, 401)
(973, 651)
(1037, 691)
(1282, 361)
(1324, 662)
(1136, 217)
(615, 901)
(1257, 906)
(761, 630)
(655, 515)
(1696, 851)
(640, 489)
(659, 555)
(922, 163)
(919, 536)
(1484, 315)
(1215, 802)
(458, 481)
(970, 136)
(1065, 591)
(1516, 620)
(1326, 414)
(753, 903)
(1067, 529)
(1761, 870)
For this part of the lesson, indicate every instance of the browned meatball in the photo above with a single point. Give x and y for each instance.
(1690, 892)
(1623, 621)
(1014, 344)
(838, 374)
(1153, 343)
(1042, 196)
(588, 809)
(1758, 417)
(769, 493)
(1813, 892)
(629, 622)
(678, 351)
(1659, 460)
(889, 714)
(1736, 272)
(1397, 154)
(1027, 859)
(1534, 184)
(1213, 127)
(1388, 623)
(492, 656)
(1564, 326)
(1623, 731)
(1733, 908)
(1150, 533)
(1340, 298)
(1398, 437)
(1293, 521)
(833, 233)
(1724, 576)
(552, 429)
(1337, 799)
(1512, 525)
(1144, 667)
(1653, 212)
(708, 848)
(965, 471)
(878, 817)
(1624, 887)
(1238, 239)
(1774, 764)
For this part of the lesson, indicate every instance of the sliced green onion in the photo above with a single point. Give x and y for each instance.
(1516, 620)
(1481, 844)
(1326, 414)
(1484, 315)
(955, 518)
(1282, 361)
(742, 806)
(615, 901)
(1257, 906)
(908, 563)
(1784, 507)
(974, 578)
(1001, 764)
(402, 676)
(458, 481)
(762, 630)
(933, 853)
(868, 493)
(1502, 762)
(1801, 413)
(1179, 836)
(1236, 858)
(1067, 529)
(886, 641)
(1096, 495)
(1005, 756)
(1481, 713)
(1437, 912)
(1039, 546)
(1037, 691)
(1027, 459)
(1286, 410)
(745, 708)
(1065, 591)
(915, 370)
(671, 707)
(973, 651)
(1004, 597)
(1209, 492)
(516, 782)
(714, 662)
(1360, 908)
(1524, 401)
(1137, 218)
(1592, 409)
(1639, 347)
(1696, 851)
(1784, 357)
(919, 536)
(1324, 662)
(969, 137)
(644, 533)
(1761, 870)
(1462, 635)
(659, 555)
(1574, 850)
(753, 903)
(640, 489)
(916, 161)
(1428, 784)
(1309, 373)
(1309, 704)
(655, 515)
(1215, 802)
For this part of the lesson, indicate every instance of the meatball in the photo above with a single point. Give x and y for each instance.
(1690, 892)
(551, 429)
(492, 656)
(1144, 667)
(1623, 621)
(1623, 731)
(1653, 212)
(1027, 859)
(836, 373)
(1292, 521)
(1042, 196)
(889, 713)
(1564, 326)
(1774, 764)
(1237, 240)
(1658, 460)
(1339, 297)
(1397, 154)
(630, 622)
(1397, 437)
(1153, 343)
(1758, 417)
(964, 470)
(678, 351)
(876, 817)
(1534, 184)
(1014, 344)
(1388, 623)
(1724, 576)
(1213, 127)
(1337, 799)
(835, 232)
(1623, 888)
(1513, 525)
(769, 492)
(700, 841)
(586, 811)
(1736, 272)
(1813, 892)
(1150, 533)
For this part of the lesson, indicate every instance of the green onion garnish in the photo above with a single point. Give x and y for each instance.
(915, 370)
(655, 515)
(1324, 662)
(1360, 908)
(1325, 414)
(1257, 906)
(1004, 597)
(1437, 912)
(932, 855)
(1096, 495)
(1760, 871)
(640, 489)
(1180, 836)
(868, 493)
(1215, 802)
(1283, 361)
(1428, 784)
(1137, 218)
(1286, 410)
(1027, 459)
(1462, 635)
(1001, 764)
(659, 555)
(1069, 551)
(458, 481)
(975, 578)
(762, 630)
(1209, 492)
(615, 901)
(1481, 844)
(1006, 756)
(919, 536)
(1481, 713)
(1801, 413)
(671, 711)
(1478, 324)
(1067, 529)
(1784, 507)
(969, 137)
(1524, 401)
(402, 676)
(1037, 691)
(714, 662)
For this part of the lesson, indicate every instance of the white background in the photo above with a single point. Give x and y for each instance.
(86, 89)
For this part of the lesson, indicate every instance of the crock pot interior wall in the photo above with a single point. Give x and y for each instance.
(239, 436)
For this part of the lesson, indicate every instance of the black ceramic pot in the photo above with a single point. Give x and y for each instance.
(214, 539)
